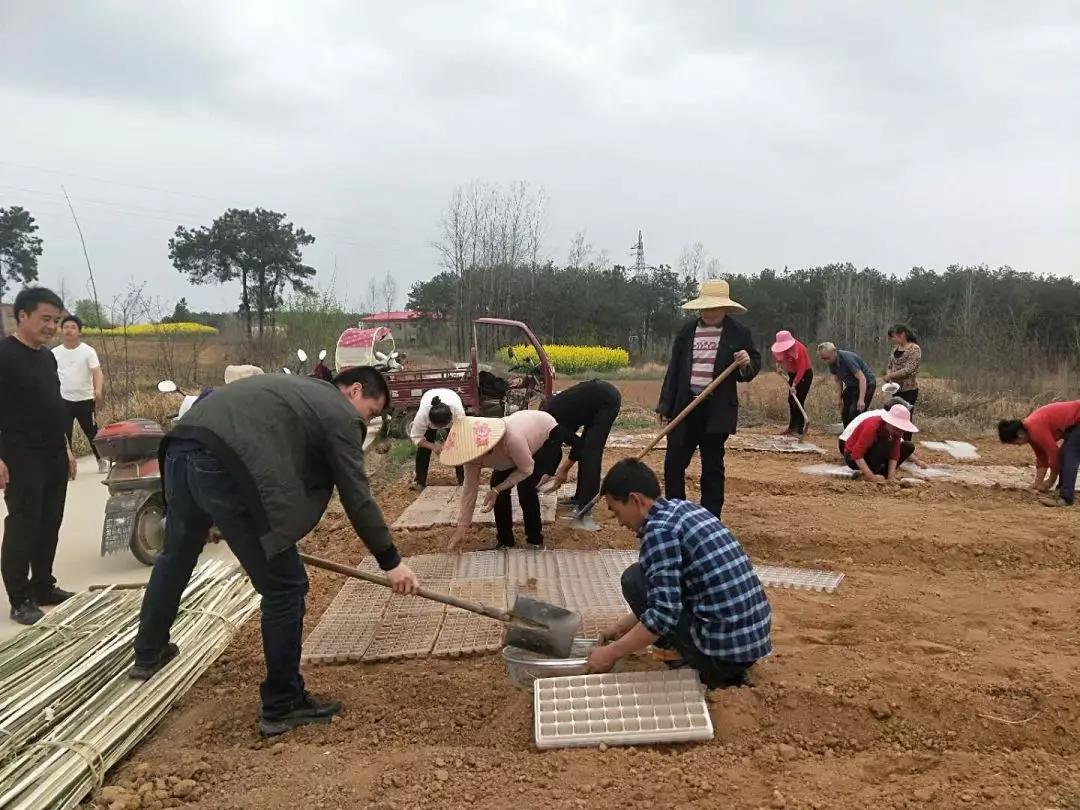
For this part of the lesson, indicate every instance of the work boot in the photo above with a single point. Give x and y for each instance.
(416, 486)
(53, 596)
(26, 612)
(144, 672)
(308, 711)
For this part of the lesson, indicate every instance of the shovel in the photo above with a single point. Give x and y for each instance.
(530, 624)
(578, 519)
(799, 405)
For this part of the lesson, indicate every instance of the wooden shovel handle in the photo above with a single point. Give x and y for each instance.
(445, 598)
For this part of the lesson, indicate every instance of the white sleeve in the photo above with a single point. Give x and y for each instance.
(420, 423)
(92, 358)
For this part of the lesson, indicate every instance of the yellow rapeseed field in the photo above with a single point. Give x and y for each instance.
(572, 359)
(154, 330)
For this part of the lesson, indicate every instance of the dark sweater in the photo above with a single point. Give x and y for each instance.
(31, 408)
(288, 441)
(722, 408)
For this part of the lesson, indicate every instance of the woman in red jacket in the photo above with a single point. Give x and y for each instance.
(791, 357)
(877, 446)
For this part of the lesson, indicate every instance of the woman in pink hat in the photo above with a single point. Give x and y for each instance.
(877, 446)
(792, 357)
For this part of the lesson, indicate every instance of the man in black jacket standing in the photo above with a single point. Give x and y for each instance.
(260, 459)
(702, 350)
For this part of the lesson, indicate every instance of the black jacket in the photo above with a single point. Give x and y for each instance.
(723, 405)
(288, 440)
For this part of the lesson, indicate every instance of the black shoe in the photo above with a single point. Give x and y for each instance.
(306, 713)
(535, 546)
(144, 672)
(53, 596)
(501, 545)
(741, 678)
(26, 613)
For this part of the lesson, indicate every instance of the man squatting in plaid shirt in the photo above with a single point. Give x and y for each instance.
(693, 589)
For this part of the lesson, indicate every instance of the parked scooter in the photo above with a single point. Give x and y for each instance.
(135, 511)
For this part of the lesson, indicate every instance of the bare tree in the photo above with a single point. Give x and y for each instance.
(388, 292)
(693, 261)
(486, 230)
(372, 297)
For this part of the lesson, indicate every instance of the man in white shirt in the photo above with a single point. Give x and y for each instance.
(82, 383)
(439, 409)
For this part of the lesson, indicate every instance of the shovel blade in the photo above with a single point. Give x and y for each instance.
(542, 627)
(584, 522)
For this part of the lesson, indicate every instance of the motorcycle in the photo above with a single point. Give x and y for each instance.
(135, 511)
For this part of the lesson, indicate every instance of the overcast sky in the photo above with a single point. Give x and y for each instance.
(886, 134)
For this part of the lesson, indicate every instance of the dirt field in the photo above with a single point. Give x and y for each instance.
(942, 674)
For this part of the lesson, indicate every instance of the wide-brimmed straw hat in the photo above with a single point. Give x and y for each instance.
(784, 341)
(470, 438)
(714, 295)
(900, 418)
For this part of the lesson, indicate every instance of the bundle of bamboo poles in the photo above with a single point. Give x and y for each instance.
(69, 712)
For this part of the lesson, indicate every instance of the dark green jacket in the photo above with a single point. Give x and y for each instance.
(288, 441)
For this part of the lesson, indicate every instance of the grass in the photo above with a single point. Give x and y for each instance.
(634, 417)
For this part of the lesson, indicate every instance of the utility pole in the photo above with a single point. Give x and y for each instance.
(637, 250)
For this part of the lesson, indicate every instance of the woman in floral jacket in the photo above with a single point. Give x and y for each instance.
(904, 361)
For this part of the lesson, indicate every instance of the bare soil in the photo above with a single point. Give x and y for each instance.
(942, 674)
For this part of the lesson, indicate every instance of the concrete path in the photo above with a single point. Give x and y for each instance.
(78, 560)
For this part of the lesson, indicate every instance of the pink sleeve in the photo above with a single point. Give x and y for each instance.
(517, 448)
(468, 494)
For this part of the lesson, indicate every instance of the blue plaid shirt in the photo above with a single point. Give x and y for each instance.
(693, 562)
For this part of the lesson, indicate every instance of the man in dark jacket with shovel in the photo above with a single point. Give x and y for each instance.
(703, 349)
(259, 459)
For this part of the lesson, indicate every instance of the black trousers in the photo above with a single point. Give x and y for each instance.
(199, 493)
(851, 398)
(714, 672)
(83, 413)
(796, 422)
(877, 457)
(593, 440)
(545, 462)
(35, 498)
(689, 437)
(423, 461)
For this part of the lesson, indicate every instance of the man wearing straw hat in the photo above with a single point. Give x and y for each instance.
(702, 350)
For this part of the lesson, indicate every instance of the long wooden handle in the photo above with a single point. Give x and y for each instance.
(795, 399)
(445, 598)
(674, 423)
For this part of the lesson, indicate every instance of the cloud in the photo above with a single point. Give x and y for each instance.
(779, 133)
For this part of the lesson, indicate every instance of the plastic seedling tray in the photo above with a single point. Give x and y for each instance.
(399, 605)
(339, 637)
(801, 579)
(580, 592)
(587, 564)
(481, 565)
(407, 636)
(595, 621)
(489, 592)
(434, 566)
(463, 633)
(358, 598)
(526, 564)
(622, 708)
(829, 470)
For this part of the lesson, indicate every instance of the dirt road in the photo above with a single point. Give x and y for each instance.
(942, 674)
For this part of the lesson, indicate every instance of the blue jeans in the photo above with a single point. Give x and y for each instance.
(714, 672)
(200, 493)
(1070, 461)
